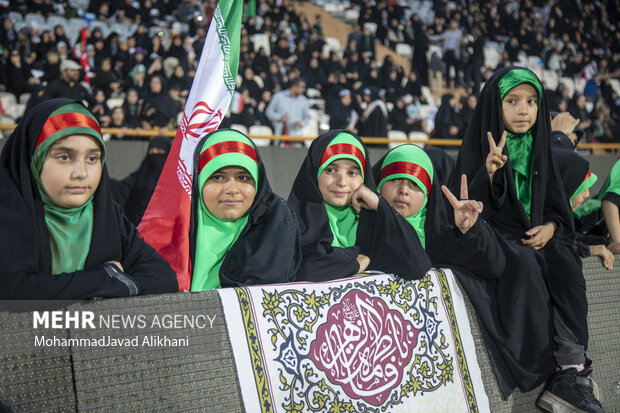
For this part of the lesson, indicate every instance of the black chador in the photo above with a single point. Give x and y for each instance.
(53, 251)
(536, 311)
(382, 235)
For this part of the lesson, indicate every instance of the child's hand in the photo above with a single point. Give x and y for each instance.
(466, 211)
(118, 264)
(495, 158)
(364, 198)
(363, 261)
(540, 235)
(605, 254)
(614, 247)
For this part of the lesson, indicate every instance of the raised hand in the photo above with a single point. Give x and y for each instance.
(495, 158)
(364, 198)
(466, 211)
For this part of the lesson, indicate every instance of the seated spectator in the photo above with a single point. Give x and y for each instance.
(577, 180)
(134, 192)
(448, 121)
(374, 120)
(75, 244)
(288, 109)
(399, 118)
(343, 116)
(158, 108)
(346, 228)
(99, 107)
(132, 107)
(253, 241)
(68, 86)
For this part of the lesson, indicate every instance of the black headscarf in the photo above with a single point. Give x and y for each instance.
(384, 236)
(25, 251)
(268, 249)
(503, 209)
(135, 191)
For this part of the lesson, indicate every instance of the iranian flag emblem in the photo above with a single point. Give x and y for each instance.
(165, 224)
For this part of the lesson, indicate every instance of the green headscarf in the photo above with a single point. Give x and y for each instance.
(520, 145)
(69, 229)
(343, 220)
(410, 162)
(214, 237)
(612, 184)
(587, 183)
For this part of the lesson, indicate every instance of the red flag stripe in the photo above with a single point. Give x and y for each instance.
(408, 168)
(344, 149)
(226, 147)
(66, 120)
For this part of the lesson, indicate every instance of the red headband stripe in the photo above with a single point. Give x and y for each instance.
(344, 149)
(226, 147)
(587, 176)
(409, 169)
(66, 120)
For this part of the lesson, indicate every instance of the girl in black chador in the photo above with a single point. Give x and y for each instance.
(506, 154)
(346, 228)
(62, 235)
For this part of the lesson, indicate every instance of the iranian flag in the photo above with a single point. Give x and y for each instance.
(165, 224)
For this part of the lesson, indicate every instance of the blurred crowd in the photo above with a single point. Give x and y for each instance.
(290, 75)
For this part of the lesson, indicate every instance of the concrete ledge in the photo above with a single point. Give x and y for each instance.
(201, 376)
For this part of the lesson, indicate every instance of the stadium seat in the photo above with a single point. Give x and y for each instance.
(262, 40)
(114, 102)
(580, 84)
(396, 135)
(372, 27)
(570, 85)
(418, 136)
(239, 127)
(615, 84)
(15, 111)
(24, 98)
(260, 130)
(53, 21)
(405, 50)
(313, 93)
(8, 99)
(16, 16)
(37, 19)
(351, 16)
(491, 57)
(551, 79)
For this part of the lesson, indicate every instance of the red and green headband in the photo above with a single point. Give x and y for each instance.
(226, 148)
(344, 146)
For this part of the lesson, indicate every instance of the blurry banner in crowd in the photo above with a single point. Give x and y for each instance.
(365, 344)
(165, 224)
(83, 56)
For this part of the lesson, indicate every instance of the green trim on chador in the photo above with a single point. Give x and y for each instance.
(214, 237)
(69, 229)
(411, 158)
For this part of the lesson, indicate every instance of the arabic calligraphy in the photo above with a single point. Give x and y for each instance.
(364, 346)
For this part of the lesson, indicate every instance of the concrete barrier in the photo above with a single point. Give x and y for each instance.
(201, 375)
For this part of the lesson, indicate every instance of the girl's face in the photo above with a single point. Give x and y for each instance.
(229, 193)
(338, 181)
(579, 199)
(72, 170)
(520, 108)
(404, 196)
